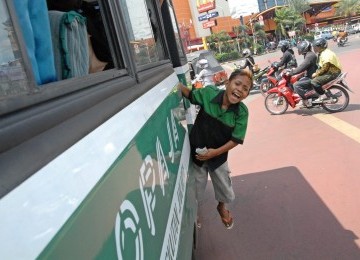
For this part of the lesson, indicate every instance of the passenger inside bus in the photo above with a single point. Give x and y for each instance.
(41, 41)
(70, 44)
(98, 48)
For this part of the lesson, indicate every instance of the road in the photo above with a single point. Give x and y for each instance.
(296, 180)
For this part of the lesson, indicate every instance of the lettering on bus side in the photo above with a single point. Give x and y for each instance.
(127, 223)
(172, 233)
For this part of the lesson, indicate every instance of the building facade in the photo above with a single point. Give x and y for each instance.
(193, 26)
(266, 4)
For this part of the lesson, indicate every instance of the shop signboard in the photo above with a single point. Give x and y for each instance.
(208, 16)
(205, 5)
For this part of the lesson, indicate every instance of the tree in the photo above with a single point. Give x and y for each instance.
(347, 8)
(242, 37)
(287, 19)
(260, 37)
(299, 6)
(218, 41)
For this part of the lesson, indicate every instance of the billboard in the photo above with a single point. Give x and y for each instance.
(205, 5)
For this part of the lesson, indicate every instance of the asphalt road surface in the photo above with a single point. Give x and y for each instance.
(296, 180)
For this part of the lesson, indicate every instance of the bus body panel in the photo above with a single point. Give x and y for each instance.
(123, 161)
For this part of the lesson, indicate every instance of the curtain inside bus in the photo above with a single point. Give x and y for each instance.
(34, 23)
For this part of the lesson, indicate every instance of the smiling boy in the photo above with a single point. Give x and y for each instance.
(220, 126)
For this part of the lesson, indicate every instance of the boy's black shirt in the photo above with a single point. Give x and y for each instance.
(213, 126)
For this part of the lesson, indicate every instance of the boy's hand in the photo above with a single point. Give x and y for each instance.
(184, 90)
(206, 156)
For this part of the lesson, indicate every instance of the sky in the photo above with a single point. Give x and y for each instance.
(242, 7)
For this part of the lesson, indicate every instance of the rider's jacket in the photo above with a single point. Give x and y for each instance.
(288, 59)
(250, 62)
(328, 63)
(308, 65)
(342, 35)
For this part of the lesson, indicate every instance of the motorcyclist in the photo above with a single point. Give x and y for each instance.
(288, 59)
(329, 67)
(249, 61)
(303, 87)
(206, 75)
(341, 36)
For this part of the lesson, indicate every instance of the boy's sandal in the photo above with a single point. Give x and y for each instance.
(227, 221)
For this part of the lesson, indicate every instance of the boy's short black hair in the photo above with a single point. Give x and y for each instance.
(242, 72)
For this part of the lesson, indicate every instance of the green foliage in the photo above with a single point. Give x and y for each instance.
(222, 57)
(259, 38)
(347, 8)
(299, 6)
(242, 36)
(287, 17)
(219, 42)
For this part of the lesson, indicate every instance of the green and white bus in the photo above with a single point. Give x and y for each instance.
(93, 132)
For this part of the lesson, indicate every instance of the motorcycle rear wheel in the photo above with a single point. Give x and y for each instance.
(275, 104)
(265, 86)
(337, 99)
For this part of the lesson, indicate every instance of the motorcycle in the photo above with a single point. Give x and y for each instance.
(258, 76)
(282, 95)
(341, 42)
(271, 78)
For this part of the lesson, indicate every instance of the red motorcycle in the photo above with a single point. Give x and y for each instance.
(335, 99)
(271, 79)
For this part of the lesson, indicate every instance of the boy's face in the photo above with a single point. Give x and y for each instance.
(237, 89)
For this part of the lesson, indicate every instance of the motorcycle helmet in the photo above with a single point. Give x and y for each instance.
(285, 46)
(275, 64)
(246, 53)
(320, 43)
(304, 47)
(203, 63)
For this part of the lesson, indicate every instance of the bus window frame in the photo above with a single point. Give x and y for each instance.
(66, 110)
(120, 49)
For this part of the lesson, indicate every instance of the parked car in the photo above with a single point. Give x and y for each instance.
(351, 31)
(323, 34)
(356, 27)
(220, 75)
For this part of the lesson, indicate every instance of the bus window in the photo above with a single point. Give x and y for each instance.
(65, 47)
(175, 28)
(64, 40)
(13, 79)
(87, 45)
(98, 49)
(99, 155)
(144, 31)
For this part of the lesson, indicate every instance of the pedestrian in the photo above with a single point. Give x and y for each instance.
(220, 126)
